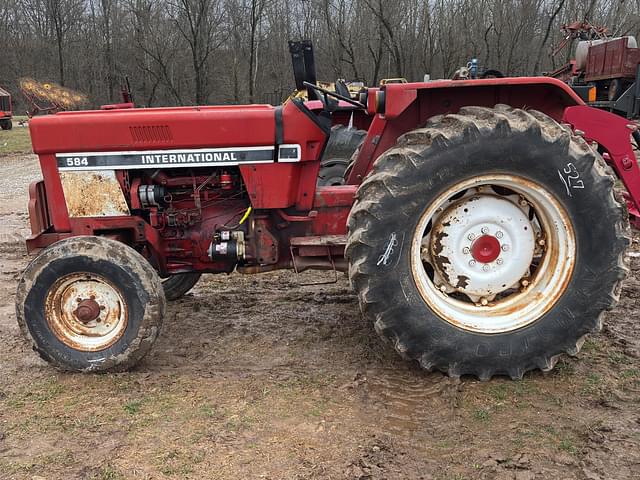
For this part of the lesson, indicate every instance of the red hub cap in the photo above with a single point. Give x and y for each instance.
(88, 310)
(485, 249)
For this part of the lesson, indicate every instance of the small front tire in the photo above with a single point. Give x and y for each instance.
(90, 304)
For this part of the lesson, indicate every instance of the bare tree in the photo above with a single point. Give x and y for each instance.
(64, 15)
(199, 22)
(199, 51)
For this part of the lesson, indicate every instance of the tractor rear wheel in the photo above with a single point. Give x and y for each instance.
(487, 243)
(342, 143)
(90, 304)
(177, 286)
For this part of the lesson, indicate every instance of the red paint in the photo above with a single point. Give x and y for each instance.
(403, 114)
(613, 134)
(612, 59)
(485, 249)
(284, 198)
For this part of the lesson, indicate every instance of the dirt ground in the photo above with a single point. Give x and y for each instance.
(257, 377)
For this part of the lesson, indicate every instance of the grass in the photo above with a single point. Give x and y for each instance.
(16, 140)
(179, 462)
(107, 473)
(481, 415)
(39, 463)
(510, 392)
(132, 407)
(566, 444)
(592, 384)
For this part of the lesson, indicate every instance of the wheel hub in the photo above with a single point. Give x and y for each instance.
(485, 249)
(482, 245)
(88, 310)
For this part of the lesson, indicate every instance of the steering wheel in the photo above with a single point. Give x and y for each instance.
(324, 94)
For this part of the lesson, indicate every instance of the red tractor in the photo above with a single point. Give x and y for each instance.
(478, 222)
(6, 110)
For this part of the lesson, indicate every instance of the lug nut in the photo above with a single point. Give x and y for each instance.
(485, 268)
(525, 283)
(499, 261)
(471, 236)
(443, 288)
(541, 242)
(484, 302)
(484, 230)
(523, 203)
(498, 234)
(472, 263)
(505, 248)
(466, 250)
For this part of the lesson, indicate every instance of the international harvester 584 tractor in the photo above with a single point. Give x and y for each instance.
(478, 222)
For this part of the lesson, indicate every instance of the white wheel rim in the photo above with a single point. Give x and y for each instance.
(86, 312)
(524, 269)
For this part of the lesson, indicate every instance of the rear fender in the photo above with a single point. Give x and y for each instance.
(408, 106)
(613, 133)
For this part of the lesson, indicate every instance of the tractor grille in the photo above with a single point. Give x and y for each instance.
(151, 134)
(4, 104)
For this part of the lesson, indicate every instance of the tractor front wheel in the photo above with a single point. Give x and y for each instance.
(487, 243)
(90, 304)
(6, 124)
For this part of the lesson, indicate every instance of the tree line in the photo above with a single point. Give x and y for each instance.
(235, 51)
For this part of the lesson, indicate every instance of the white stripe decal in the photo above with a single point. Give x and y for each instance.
(201, 157)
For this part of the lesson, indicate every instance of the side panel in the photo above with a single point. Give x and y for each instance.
(284, 185)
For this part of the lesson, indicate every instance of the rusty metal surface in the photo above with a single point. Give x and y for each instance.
(538, 293)
(93, 194)
(86, 312)
(321, 240)
(481, 215)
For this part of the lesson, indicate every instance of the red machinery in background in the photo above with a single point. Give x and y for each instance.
(605, 71)
(49, 97)
(6, 110)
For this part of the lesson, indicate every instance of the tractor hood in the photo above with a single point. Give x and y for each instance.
(154, 129)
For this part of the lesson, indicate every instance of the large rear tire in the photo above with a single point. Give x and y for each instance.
(342, 144)
(487, 243)
(90, 304)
